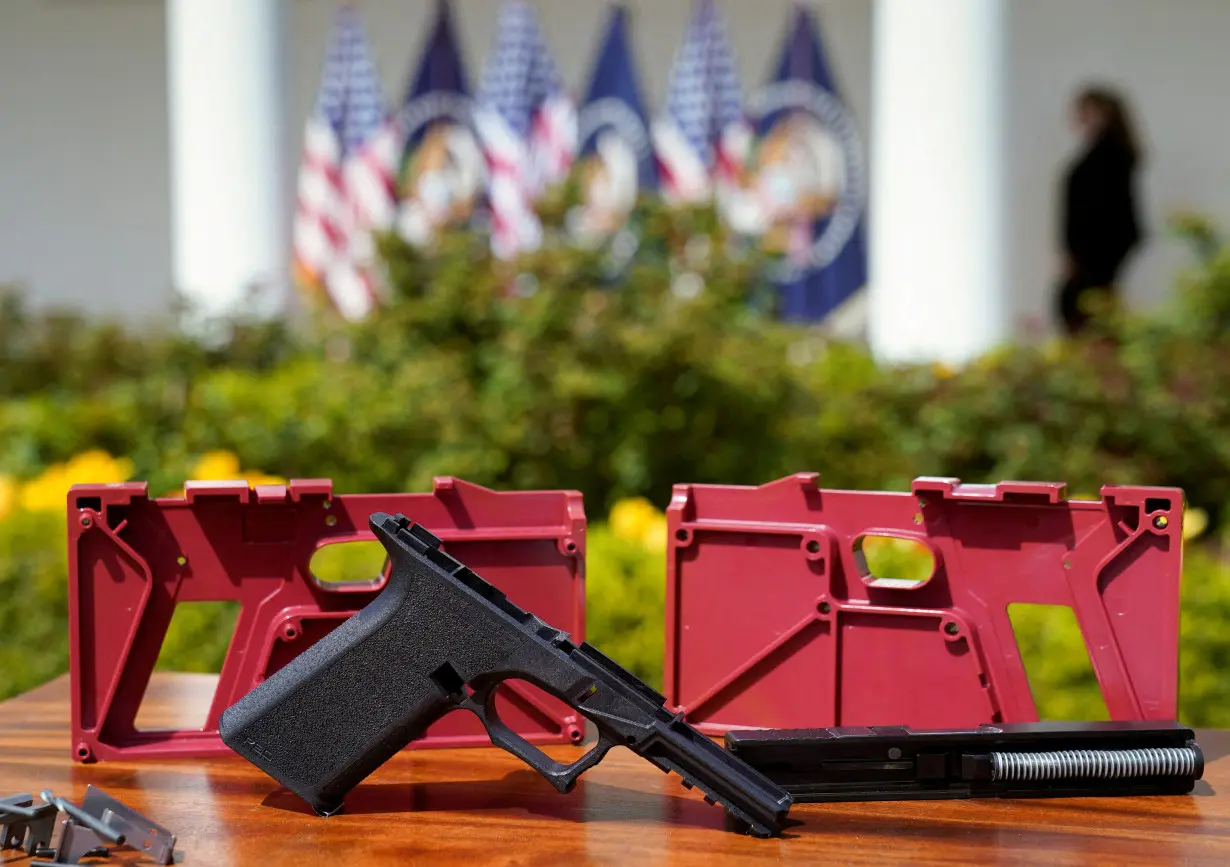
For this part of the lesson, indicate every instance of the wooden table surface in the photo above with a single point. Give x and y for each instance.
(482, 806)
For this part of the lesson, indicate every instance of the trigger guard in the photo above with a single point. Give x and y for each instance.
(483, 701)
(563, 777)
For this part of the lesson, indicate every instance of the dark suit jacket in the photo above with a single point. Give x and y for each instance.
(1100, 221)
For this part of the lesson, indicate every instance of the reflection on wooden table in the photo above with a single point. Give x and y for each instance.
(483, 806)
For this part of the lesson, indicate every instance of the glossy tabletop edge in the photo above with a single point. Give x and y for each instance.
(484, 806)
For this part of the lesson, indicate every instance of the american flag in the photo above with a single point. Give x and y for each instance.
(703, 136)
(528, 126)
(347, 175)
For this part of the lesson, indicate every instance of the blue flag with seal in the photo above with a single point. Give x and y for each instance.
(616, 157)
(443, 170)
(805, 191)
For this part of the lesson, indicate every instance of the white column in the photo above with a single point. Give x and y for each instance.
(937, 287)
(229, 202)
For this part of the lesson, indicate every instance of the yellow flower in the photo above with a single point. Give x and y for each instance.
(222, 466)
(49, 492)
(992, 359)
(45, 493)
(8, 495)
(629, 517)
(256, 477)
(214, 467)
(636, 520)
(1054, 350)
(654, 537)
(1195, 522)
(96, 467)
(940, 370)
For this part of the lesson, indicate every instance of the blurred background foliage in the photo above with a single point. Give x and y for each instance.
(618, 378)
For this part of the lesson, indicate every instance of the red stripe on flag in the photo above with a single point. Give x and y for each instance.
(325, 166)
(335, 235)
(376, 169)
(387, 182)
(665, 176)
(540, 128)
(725, 165)
(497, 164)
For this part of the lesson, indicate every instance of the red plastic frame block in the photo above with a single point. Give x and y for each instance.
(774, 620)
(132, 558)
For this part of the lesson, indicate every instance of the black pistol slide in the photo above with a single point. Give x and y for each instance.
(1022, 760)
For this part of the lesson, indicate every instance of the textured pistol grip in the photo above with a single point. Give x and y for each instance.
(345, 705)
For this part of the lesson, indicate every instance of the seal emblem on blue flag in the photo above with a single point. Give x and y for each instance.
(443, 173)
(803, 192)
(616, 158)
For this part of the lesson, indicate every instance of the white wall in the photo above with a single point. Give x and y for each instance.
(84, 185)
(83, 120)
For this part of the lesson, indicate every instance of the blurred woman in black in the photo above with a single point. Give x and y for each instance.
(1100, 223)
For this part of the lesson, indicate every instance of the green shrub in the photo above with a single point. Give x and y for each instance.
(547, 375)
(62, 351)
(1204, 647)
(555, 374)
(34, 611)
(625, 602)
(198, 637)
(573, 384)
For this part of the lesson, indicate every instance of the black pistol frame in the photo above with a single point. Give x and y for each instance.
(439, 638)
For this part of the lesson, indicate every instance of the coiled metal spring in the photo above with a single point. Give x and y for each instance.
(1100, 764)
